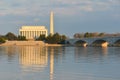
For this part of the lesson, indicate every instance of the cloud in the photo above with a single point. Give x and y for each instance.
(80, 6)
(61, 7)
(23, 7)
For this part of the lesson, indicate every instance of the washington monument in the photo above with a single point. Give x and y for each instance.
(51, 23)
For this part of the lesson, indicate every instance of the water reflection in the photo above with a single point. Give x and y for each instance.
(59, 63)
(90, 53)
(10, 52)
(33, 57)
(55, 54)
(51, 64)
(36, 58)
(117, 50)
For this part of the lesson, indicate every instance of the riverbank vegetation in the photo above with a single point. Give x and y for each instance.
(95, 35)
(53, 39)
(50, 39)
(2, 40)
(11, 37)
(56, 38)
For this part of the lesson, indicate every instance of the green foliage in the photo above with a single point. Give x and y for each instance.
(56, 38)
(41, 38)
(21, 38)
(78, 35)
(88, 35)
(63, 37)
(10, 36)
(52, 39)
(2, 40)
(3, 37)
(101, 34)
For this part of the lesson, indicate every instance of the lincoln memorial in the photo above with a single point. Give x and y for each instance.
(33, 32)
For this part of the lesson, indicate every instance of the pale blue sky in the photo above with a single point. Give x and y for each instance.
(71, 16)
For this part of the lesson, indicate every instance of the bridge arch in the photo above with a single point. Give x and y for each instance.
(117, 43)
(100, 43)
(108, 41)
(81, 43)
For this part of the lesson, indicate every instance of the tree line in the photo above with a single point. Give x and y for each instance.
(51, 39)
(88, 35)
(94, 34)
(11, 37)
(56, 38)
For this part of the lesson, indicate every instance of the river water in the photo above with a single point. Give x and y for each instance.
(59, 63)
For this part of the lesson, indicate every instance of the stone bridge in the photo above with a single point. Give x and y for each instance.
(105, 41)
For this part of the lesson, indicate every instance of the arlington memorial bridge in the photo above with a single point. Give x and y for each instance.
(102, 42)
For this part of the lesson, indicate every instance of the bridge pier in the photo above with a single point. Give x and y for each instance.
(97, 42)
(82, 45)
(104, 44)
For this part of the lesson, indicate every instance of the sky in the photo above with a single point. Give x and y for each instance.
(70, 16)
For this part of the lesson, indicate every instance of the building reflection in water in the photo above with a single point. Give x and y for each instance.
(36, 58)
(51, 63)
(33, 58)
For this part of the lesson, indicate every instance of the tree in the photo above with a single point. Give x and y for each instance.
(95, 34)
(101, 34)
(90, 35)
(49, 39)
(41, 37)
(21, 38)
(2, 40)
(86, 35)
(78, 35)
(55, 39)
(11, 36)
(63, 37)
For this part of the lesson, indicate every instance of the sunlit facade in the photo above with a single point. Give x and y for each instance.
(51, 23)
(33, 32)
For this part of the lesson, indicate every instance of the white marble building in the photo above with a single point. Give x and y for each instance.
(32, 32)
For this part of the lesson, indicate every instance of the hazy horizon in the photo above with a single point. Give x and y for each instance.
(70, 16)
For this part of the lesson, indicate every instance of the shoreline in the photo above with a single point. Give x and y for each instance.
(53, 45)
(29, 43)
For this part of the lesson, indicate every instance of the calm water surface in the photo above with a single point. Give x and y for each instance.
(59, 63)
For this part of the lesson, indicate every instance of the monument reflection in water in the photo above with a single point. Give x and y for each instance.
(59, 63)
(35, 58)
